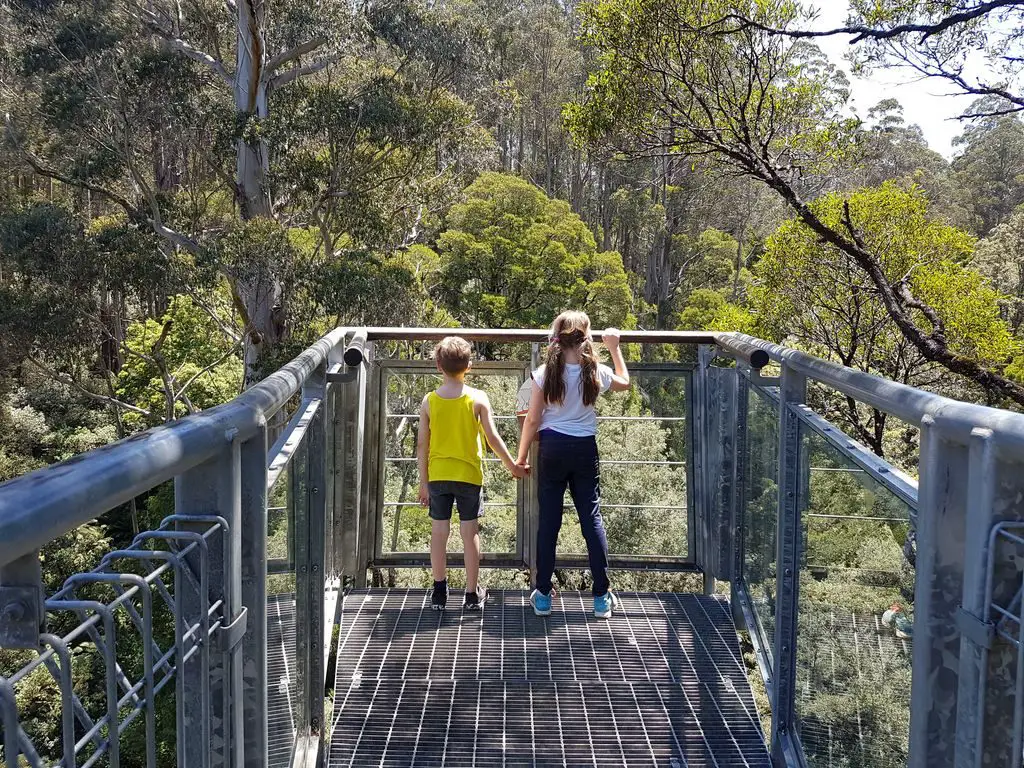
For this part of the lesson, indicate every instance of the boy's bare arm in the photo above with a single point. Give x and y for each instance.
(423, 452)
(486, 415)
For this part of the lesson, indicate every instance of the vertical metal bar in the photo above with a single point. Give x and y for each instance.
(973, 657)
(375, 498)
(316, 458)
(941, 519)
(703, 491)
(12, 741)
(722, 408)
(348, 483)
(529, 489)
(367, 538)
(253, 563)
(691, 468)
(741, 460)
(339, 479)
(298, 490)
(792, 391)
(213, 488)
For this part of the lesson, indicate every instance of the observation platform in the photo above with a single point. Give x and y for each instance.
(294, 503)
(660, 684)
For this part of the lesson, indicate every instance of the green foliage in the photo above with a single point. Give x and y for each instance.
(512, 257)
(183, 349)
(810, 290)
(990, 169)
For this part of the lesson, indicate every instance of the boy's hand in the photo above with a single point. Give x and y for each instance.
(424, 495)
(520, 471)
(611, 338)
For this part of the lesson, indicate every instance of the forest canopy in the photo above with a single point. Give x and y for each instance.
(193, 191)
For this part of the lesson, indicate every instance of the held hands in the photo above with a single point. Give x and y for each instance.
(611, 339)
(519, 470)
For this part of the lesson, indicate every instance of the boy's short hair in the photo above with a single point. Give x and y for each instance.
(453, 355)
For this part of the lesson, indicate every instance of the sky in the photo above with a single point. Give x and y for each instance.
(923, 100)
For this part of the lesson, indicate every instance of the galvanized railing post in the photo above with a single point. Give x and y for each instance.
(741, 459)
(374, 410)
(22, 613)
(310, 581)
(967, 678)
(792, 391)
(697, 423)
(349, 444)
(212, 680)
(253, 556)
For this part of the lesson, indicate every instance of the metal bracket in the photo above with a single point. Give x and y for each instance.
(20, 609)
(230, 636)
(344, 376)
(981, 633)
(764, 381)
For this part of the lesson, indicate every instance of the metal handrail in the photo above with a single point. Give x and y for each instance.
(954, 418)
(42, 505)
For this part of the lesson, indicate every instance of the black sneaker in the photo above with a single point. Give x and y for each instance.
(439, 599)
(475, 600)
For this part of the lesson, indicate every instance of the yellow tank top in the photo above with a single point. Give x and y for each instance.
(456, 441)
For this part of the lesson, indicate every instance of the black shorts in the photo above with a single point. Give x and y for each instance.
(468, 497)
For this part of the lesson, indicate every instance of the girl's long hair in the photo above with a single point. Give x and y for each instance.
(571, 330)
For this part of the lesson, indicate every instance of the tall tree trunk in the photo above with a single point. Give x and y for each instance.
(259, 295)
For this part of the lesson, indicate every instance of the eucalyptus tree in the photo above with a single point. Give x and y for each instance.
(685, 79)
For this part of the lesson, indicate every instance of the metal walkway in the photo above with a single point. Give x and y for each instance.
(660, 684)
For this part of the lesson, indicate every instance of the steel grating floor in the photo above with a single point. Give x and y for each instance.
(660, 684)
(280, 683)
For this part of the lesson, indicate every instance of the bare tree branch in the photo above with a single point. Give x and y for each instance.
(180, 394)
(81, 388)
(151, 21)
(281, 59)
(290, 75)
(133, 211)
(863, 32)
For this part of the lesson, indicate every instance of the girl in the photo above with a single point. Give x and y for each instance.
(562, 401)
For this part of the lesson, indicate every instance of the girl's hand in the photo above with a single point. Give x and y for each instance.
(424, 495)
(611, 338)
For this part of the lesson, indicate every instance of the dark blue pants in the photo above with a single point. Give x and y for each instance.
(570, 462)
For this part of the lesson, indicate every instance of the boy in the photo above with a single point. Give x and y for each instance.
(451, 456)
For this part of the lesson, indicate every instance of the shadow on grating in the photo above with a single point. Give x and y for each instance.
(660, 684)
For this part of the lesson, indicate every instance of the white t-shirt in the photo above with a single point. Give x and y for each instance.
(572, 417)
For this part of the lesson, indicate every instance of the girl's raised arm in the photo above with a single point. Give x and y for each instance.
(620, 380)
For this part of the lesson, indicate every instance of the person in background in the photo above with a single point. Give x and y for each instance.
(450, 455)
(561, 410)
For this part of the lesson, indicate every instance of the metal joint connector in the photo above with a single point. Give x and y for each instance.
(230, 636)
(20, 609)
(981, 633)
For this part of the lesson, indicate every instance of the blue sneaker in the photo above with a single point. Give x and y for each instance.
(604, 605)
(541, 603)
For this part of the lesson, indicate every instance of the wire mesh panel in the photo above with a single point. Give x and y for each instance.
(660, 684)
(642, 442)
(282, 671)
(761, 513)
(855, 618)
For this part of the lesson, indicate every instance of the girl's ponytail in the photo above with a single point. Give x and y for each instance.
(589, 380)
(554, 373)
(571, 330)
